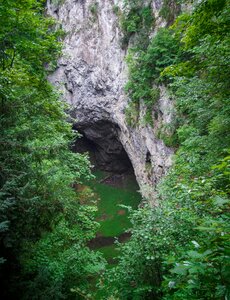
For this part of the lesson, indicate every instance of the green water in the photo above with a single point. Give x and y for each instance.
(114, 219)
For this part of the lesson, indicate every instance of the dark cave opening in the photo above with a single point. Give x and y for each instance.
(101, 140)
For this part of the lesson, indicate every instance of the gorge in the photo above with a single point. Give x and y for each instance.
(114, 149)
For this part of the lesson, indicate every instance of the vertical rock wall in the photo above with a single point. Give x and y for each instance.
(92, 74)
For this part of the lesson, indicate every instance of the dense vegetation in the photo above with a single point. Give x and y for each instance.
(180, 249)
(136, 21)
(44, 229)
(147, 57)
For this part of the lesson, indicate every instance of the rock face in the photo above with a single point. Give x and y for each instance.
(92, 74)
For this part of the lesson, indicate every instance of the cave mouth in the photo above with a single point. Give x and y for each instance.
(116, 185)
(101, 140)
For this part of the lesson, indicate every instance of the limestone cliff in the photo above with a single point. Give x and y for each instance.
(92, 73)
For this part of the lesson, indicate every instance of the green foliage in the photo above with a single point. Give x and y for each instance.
(137, 18)
(147, 58)
(39, 210)
(203, 270)
(145, 68)
(148, 118)
(161, 248)
(168, 134)
(170, 10)
(116, 10)
(155, 233)
(132, 114)
(180, 249)
(201, 86)
(94, 8)
(60, 261)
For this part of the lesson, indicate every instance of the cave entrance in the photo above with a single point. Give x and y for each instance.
(114, 186)
(101, 141)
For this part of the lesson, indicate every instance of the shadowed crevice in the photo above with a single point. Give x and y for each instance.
(101, 140)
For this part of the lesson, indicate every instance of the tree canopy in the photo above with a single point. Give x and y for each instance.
(44, 229)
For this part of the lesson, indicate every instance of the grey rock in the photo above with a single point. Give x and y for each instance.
(92, 73)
